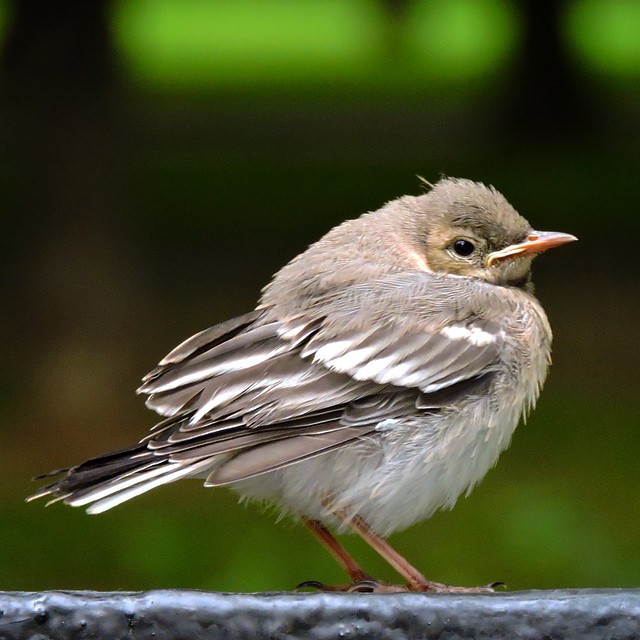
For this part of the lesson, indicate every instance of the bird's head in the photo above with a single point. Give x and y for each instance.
(471, 230)
(459, 227)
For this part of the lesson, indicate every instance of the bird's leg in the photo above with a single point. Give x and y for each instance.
(415, 580)
(363, 582)
(343, 558)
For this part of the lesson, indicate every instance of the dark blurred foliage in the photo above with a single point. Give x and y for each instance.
(138, 212)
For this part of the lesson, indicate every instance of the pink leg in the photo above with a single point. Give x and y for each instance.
(336, 550)
(415, 580)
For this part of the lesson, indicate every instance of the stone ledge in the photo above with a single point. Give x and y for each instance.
(188, 615)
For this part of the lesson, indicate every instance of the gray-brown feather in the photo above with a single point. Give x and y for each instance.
(348, 338)
(267, 394)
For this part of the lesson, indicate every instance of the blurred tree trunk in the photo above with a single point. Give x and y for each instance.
(547, 100)
(70, 278)
(396, 14)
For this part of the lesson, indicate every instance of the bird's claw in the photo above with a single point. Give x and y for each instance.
(437, 587)
(320, 586)
(366, 585)
(369, 585)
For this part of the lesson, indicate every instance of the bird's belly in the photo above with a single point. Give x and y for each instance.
(402, 474)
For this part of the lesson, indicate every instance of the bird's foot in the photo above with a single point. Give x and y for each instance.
(429, 586)
(366, 585)
(321, 586)
(369, 585)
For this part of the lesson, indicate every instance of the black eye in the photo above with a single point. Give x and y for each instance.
(463, 248)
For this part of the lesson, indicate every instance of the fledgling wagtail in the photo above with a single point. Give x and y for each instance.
(380, 376)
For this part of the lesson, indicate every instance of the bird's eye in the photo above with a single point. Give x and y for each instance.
(463, 247)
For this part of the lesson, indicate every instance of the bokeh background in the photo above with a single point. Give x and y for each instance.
(160, 159)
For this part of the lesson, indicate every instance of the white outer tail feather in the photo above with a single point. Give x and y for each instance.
(107, 497)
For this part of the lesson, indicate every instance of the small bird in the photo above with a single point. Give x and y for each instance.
(380, 376)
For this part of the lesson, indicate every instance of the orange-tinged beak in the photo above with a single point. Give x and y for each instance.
(537, 242)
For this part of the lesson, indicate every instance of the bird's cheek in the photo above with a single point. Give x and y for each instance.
(510, 270)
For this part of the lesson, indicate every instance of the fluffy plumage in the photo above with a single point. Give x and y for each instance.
(381, 374)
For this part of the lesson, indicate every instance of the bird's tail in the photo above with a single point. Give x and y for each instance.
(106, 481)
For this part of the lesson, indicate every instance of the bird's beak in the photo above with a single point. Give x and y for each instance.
(536, 242)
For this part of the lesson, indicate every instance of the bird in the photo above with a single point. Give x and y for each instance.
(379, 377)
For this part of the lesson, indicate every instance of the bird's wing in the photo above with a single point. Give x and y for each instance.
(273, 392)
(272, 388)
(420, 331)
(426, 358)
(247, 389)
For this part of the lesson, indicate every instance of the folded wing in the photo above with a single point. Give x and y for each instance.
(258, 393)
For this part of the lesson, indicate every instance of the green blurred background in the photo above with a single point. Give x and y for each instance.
(160, 159)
